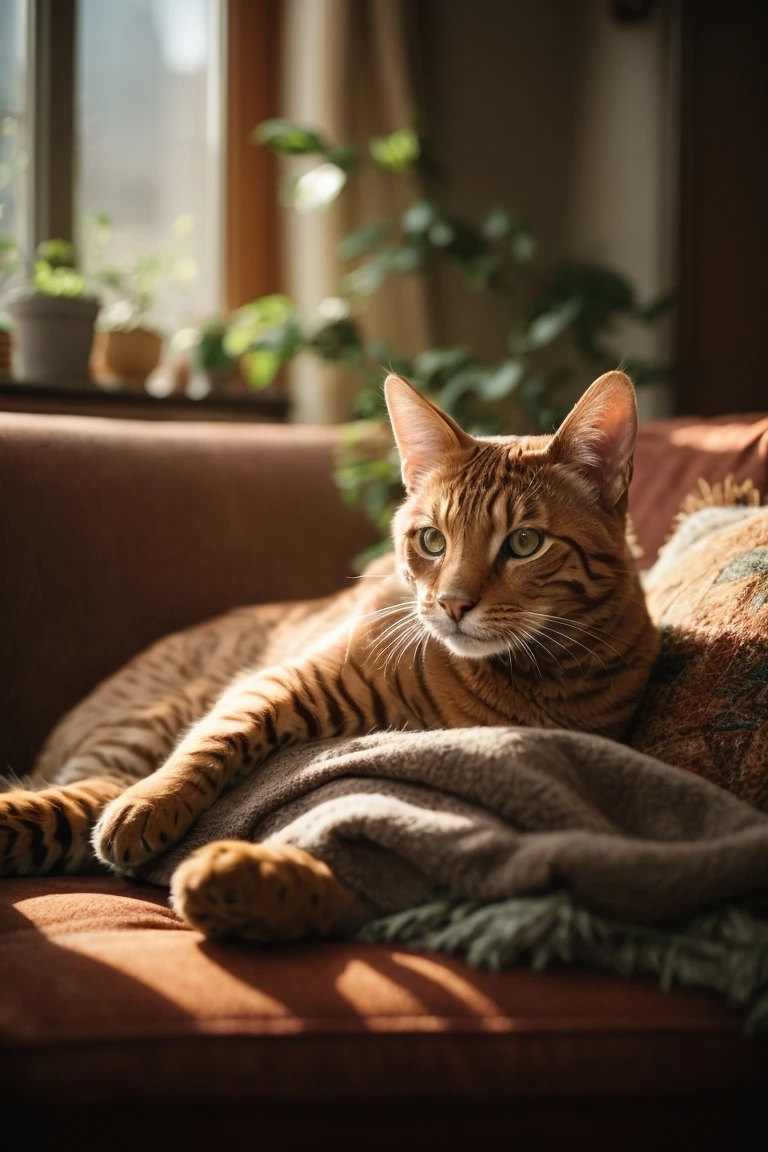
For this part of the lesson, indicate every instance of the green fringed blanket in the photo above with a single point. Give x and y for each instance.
(521, 846)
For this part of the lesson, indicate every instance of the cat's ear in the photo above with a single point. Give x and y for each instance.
(598, 436)
(424, 434)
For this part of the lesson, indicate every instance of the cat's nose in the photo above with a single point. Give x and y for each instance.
(456, 606)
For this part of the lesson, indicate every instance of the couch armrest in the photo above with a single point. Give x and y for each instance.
(114, 533)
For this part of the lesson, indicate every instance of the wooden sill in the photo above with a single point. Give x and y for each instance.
(89, 399)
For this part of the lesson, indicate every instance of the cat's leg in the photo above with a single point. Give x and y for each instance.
(50, 830)
(321, 696)
(257, 892)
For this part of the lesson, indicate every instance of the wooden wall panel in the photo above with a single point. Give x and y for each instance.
(723, 317)
(251, 256)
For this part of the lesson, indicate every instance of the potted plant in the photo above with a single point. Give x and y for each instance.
(127, 347)
(128, 344)
(54, 317)
(211, 359)
(564, 318)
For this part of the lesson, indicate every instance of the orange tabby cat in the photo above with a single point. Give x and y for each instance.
(511, 591)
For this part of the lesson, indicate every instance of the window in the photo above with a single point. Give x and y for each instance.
(148, 117)
(14, 120)
(124, 126)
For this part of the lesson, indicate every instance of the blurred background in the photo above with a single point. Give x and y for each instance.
(500, 198)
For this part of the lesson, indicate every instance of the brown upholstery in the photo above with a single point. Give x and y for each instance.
(112, 1013)
(114, 533)
(673, 455)
(86, 963)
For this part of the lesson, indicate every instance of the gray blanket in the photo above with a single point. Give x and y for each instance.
(490, 814)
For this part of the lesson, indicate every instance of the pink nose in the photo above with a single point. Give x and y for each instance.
(455, 606)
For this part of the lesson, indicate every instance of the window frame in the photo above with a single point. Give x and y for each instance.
(248, 255)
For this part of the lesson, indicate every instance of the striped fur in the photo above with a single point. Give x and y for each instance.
(474, 635)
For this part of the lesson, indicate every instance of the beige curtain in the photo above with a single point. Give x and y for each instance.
(345, 71)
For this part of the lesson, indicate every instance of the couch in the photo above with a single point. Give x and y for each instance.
(114, 1016)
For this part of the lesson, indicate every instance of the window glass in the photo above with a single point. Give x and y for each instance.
(148, 112)
(14, 126)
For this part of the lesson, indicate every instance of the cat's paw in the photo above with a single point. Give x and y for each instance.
(257, 892)
(141, 824)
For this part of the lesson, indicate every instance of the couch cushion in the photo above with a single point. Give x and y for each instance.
(672, 456)
(103, 990)
(706, 706)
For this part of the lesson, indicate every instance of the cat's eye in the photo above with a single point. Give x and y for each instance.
(524, 542)
(432, 541)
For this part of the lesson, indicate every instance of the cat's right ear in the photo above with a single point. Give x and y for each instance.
(423, 433)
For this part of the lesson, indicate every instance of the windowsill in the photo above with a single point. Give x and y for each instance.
(91, 400)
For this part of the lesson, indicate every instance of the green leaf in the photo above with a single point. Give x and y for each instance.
(544, 329)
(441, 234)
(361, 242)
(419, 217)
(497, 224)
(657, 308)
(287, 138)
(501, 382)
(316, 190)
(533, 390)
(396, 152)
(57, 281)
(345, 156)
(339, 340)
(57, 253)
(251, 321)
(459, 384)
(406, 258)
(523, 246)
(261, 368)
(365, 280)
(433, 366)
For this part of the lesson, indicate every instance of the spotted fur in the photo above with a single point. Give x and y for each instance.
(511, 598)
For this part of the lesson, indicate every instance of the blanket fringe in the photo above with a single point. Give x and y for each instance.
(726, 950)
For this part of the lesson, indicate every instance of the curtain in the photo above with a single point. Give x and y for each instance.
(345, 71)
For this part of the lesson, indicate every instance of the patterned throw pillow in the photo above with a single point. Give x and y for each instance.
(706, 707)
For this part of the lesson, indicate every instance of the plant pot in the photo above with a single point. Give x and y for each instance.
(126, 358)
(54, 336)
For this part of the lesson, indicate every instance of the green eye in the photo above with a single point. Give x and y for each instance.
(432, 541)
(524, 542)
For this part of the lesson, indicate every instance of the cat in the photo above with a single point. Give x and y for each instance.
(511, 598)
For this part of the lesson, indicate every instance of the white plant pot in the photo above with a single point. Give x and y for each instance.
(54, 336)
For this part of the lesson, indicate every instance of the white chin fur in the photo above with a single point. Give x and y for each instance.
(460, 644)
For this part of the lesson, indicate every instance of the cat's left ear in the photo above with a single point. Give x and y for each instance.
(598, 436)
(424, 435)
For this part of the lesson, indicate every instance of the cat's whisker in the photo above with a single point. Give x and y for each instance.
(533, 638)
(389, 632)
(597, 635)
(552, 632)
(401, 645)
(531, 656)
(401, 633)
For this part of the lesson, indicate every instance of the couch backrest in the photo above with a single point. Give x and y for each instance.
(675, 458)
(114, 533)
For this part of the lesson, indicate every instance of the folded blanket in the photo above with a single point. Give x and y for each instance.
(459, 825)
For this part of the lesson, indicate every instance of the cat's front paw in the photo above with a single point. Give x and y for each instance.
(258, 892)
(140, 825)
